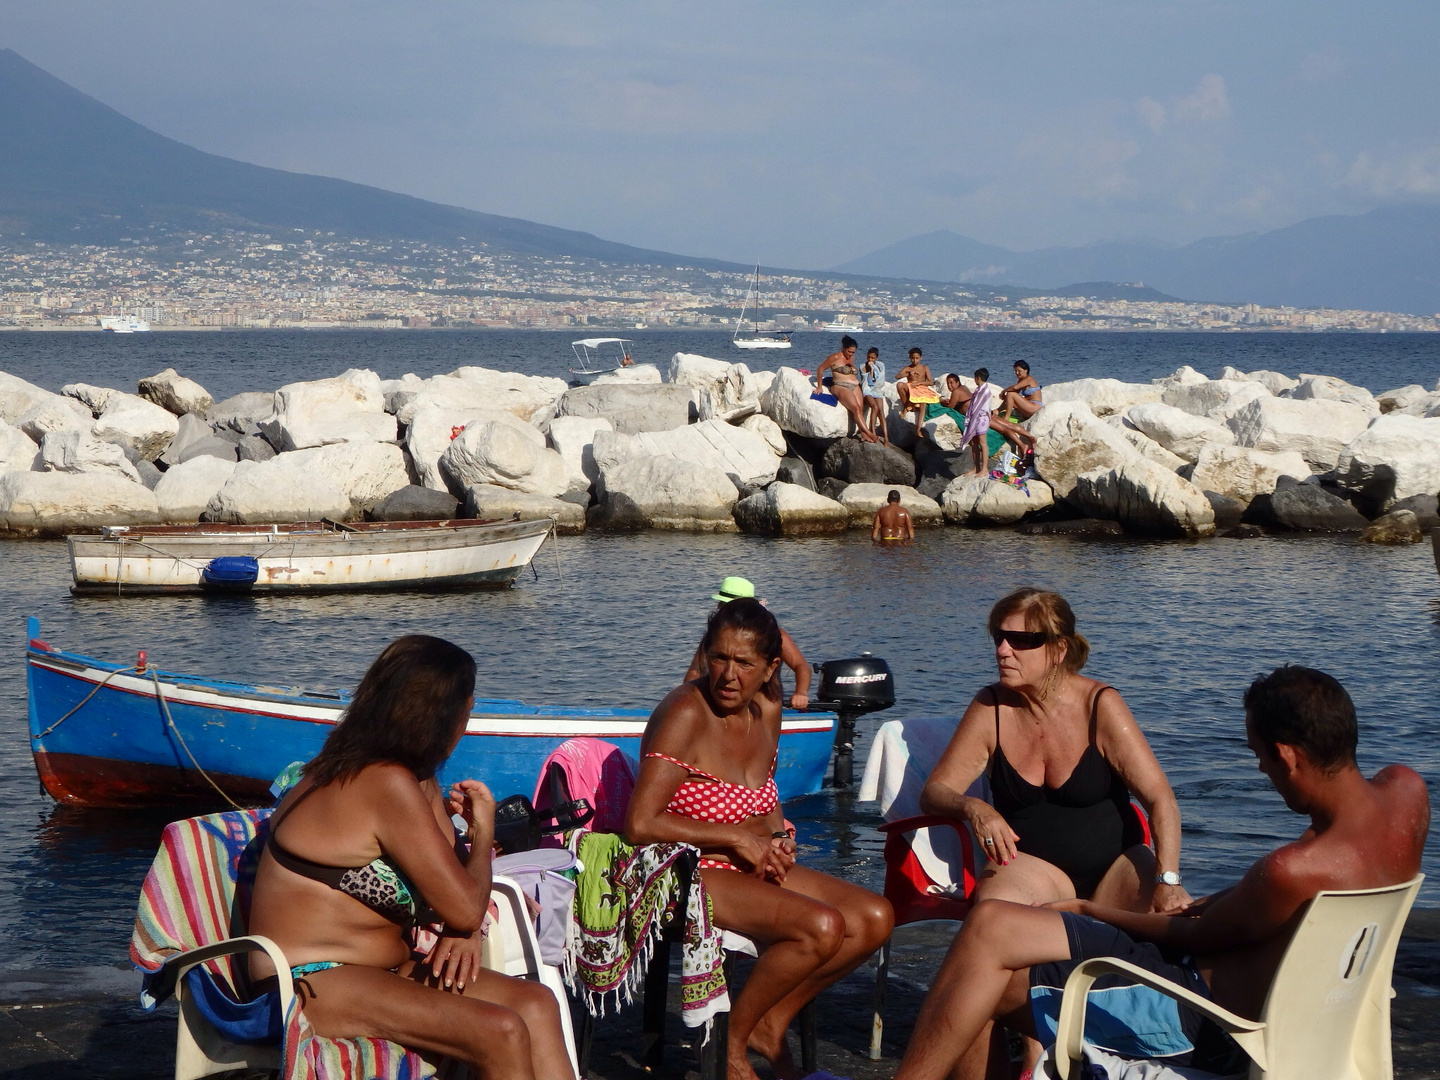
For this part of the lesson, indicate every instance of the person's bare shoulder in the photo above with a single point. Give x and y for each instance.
(1407, 799)
(680, 714)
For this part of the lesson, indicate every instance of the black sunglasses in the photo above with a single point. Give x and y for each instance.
(1021, 640)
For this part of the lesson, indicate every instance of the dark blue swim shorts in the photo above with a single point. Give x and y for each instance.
(1129, 1020)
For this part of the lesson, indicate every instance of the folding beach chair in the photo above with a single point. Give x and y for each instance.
(190, 928)
(1327, 1014)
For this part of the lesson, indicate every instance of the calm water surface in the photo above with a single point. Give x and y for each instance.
(1180, 628)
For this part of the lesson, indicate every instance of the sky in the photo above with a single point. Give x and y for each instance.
(798, 134)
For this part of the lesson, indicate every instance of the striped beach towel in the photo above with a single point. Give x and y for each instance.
(624, 898)
(197, 893)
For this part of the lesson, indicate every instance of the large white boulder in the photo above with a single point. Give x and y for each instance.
(1246, 393)
(1329, 388)
(1401, 398)
(56, 503)
(1184, 375)
(490, 501)
(789, 404)
(81, 452)
(632, 407)
(1102, 396)
(790, 510)
(262, 492)
(609, 449)
(1069, 440)
(175, 393)
(1395, 457)
(54, 413)
(573, 438)
(1203, 398)
(429, 432)
(635, 373)
(347, 408)
(94, 398)
(1273, 381)
(1316, 429)
(648, 492)
(862, 500)
(729, 386)
(530, 397)
(768, 430)
(976, 499)
(17, 397)
(17, 450)
(745, 456)
(185, 490)
(139, 425)
(1145, 498)
(1146, 446)
(1242, 473)
(507, 452)
(1182, 433)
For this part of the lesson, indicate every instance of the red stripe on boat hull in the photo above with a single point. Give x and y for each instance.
(89, 781)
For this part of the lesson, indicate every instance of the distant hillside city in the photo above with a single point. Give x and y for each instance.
(231, 279)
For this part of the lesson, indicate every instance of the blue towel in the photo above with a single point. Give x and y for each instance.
(824, 399)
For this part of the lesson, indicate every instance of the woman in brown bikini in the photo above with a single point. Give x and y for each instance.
(846, 384)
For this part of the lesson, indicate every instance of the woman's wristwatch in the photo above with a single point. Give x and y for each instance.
(1169, 877)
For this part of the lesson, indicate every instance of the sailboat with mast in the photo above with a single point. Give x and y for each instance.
(757, 338)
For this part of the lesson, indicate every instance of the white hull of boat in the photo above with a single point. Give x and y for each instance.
(127, 324)
(480, 554)
(760, 343)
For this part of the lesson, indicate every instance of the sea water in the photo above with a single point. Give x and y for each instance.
(1180, 628)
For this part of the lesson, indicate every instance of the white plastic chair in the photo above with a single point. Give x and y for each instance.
(1327, 1015)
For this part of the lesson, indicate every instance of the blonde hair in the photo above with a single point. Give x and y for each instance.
(1047, 613)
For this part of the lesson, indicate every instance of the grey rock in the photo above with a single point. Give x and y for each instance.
(242, 413)
(1073, 527)
(495, 503)
(858, 462)
(806, 448)
(415, 503)
(632, 407)
(175, 393)
(1243, 532)
(149, 474)
(1228, 511)
(254, 448)
(210, 446)
(796, 470)
(831, 487)
(932, 487)
(790, 510)
(1424, 507)
(1304, 508)
(191, 428)
(579, 498)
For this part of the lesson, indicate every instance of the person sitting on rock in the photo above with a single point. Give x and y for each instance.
(957, 399)
(872, 386)
(845, 382)
(739, 588)
(914, 385)
(1021, 399)
(892, 521)
(1010, 961)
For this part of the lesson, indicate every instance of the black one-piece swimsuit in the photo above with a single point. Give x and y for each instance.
(1082, 826)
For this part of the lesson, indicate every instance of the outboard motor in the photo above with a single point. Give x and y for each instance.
(852, 688)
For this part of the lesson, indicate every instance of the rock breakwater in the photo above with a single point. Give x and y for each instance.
(711, 446)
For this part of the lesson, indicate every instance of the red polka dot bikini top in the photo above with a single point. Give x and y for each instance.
(713, 799)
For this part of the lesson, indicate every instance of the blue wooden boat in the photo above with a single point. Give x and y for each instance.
(105, 734)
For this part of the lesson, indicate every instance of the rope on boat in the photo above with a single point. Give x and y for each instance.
(165, 708)
(98, 687)
(555, 547)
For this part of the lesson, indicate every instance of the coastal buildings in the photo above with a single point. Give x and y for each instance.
(230, 279)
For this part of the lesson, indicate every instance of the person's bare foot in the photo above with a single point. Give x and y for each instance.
(737, 1065)
(777, 1054)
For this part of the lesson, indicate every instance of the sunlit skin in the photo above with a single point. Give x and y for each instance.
(892, 524)
(1015, 403)
(790, 656)
(914, 373)
(846, 387)
(503, 1027)
(813, 929)
(876, 407)
(1363, 834)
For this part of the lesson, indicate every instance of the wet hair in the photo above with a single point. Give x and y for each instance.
(982, 374)
(748, 616)
(894, 496)
(1023, 366)
(915, 351)
(848, 342)
(1306, 709)
(406, 710)
(1048, 613)
(872, 351)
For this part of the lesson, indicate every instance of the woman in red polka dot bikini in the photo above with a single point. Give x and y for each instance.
(707, 777)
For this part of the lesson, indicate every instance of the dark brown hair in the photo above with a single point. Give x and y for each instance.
(1047, 613)
(1306, 709)
(406, 710)
(750, 617)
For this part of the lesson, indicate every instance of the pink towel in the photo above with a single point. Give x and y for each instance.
(596, 771)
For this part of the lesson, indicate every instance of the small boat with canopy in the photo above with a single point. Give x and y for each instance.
(598, 356)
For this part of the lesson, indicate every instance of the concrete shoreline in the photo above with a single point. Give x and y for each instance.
(84, 1023)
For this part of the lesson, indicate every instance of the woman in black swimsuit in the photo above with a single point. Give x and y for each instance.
(362, 850)
(1064, 756)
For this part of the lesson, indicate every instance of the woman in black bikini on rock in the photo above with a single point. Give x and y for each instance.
(362, 850)
(846, 384)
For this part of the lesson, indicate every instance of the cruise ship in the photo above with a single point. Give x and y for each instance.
(124, 324)
(845, 324)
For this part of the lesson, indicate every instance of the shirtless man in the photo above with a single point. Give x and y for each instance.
(892, 521)
(737, 588)
(1009, 961)
(913, 376)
